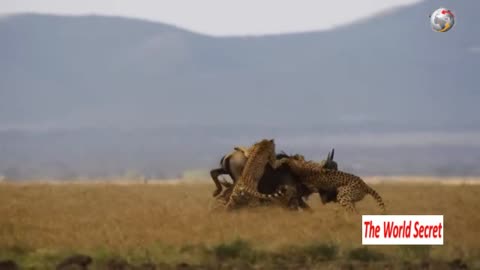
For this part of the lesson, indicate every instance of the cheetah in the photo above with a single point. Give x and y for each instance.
(350, 188)
(261, 154)
(326, 195)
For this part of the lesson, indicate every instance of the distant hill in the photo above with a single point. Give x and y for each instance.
(72, 75)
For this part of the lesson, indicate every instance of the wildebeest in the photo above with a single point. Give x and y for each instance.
(233, 163)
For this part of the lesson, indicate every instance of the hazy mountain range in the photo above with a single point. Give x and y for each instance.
(101, 96)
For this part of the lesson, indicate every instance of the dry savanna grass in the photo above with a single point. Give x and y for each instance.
(121, 218)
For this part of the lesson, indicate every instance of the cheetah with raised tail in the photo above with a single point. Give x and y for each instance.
(350, 188)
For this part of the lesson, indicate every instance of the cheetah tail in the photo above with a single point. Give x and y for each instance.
(377, 198)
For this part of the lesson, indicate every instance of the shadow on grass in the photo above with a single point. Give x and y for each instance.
(364, 254)
(237, 254)
(237, 249)
(414, 253)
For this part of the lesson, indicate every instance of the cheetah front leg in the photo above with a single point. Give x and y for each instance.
(344, 197)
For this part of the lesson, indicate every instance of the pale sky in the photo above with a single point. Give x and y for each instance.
(220, 17)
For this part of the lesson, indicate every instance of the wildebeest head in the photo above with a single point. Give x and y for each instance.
(329, 163)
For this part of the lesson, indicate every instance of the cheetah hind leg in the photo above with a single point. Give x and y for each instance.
(290, 198)
(236, 199)
(232, 202)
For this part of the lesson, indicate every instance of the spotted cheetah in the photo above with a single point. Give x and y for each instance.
(350, 188)
(260, 154)
(326, 195)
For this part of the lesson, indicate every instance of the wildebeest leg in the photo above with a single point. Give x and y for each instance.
(328, 195)
(226, 184)
(302, 204)
(214, 174)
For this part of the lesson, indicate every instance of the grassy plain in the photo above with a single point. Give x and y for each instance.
(170, 225)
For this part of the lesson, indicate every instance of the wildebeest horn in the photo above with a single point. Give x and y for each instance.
(332, 154)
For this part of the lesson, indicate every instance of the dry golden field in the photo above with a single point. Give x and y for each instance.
(171, 223)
